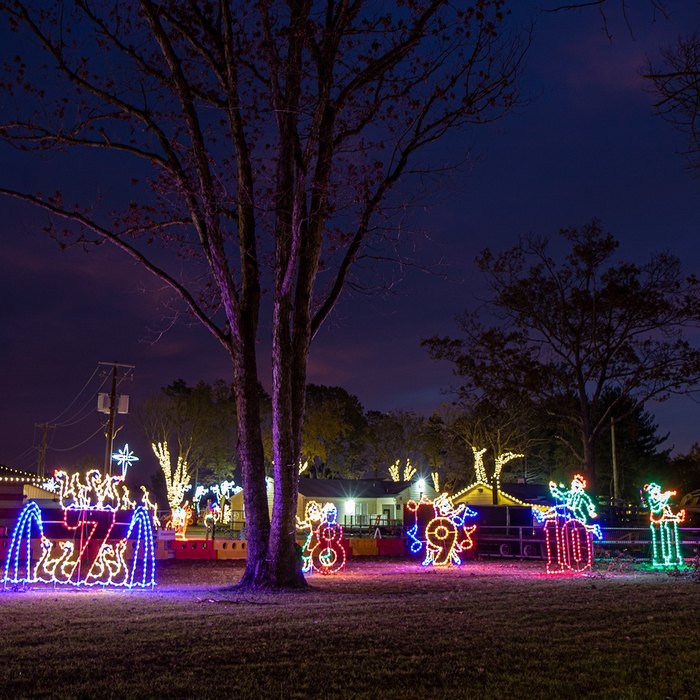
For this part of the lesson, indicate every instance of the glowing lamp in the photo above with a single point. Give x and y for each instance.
(350, 507)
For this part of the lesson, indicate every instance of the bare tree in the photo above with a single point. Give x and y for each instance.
(677, 82)
(270, 136)
(586, 338)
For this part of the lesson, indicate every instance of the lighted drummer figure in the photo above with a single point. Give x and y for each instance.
(663, 522)
(568, 534)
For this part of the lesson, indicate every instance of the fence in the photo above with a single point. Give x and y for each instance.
(529, 542)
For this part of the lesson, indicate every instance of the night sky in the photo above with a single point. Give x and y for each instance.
(585, 145)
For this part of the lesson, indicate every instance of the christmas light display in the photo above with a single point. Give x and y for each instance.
(180, 517)
(91, 544)
(436, 480)
(218, 505)
(177, 480)
(663, 523)
(409, 471)
(568, 535)
(445, 535)
(322, 550)
(479, 468)
(125, 458)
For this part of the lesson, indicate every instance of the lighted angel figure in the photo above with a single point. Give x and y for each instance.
(663, 522)
(568, 534)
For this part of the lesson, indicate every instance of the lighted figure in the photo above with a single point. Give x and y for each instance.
(180, 518)
(222, 493)
(313, 514)
(212, 517)
(568, 534)
(323, 549)
(445, 535)
(103, 539)
(663, 522)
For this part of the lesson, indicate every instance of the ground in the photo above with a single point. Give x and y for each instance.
(384, 628)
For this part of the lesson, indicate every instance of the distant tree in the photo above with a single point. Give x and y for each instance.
(333, 425)
(677, 82)
(264, 141)
(392, 436)
(192, 431)
(565, 333)
(683, 473)
(637, 444)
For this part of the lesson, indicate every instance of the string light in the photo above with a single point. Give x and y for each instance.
(663, 523)
(409, 471)
(87, 554)
(436, 480)
(568, 535)
(394, 471)
(479, 468)
(446, 535)
(177, 480)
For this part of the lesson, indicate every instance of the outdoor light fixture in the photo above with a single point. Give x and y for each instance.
(350, 507)
(420, 485)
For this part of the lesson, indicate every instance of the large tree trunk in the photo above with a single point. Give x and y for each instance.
(252, 460)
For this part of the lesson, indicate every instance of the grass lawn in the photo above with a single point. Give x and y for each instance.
(383, 629)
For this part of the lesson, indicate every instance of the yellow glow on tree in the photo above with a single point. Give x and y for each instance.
(408, 471)
(395, 471)
(479, 467)
(177, 480)
(436, 480)
(502, 460)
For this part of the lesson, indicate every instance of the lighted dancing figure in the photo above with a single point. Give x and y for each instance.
(663, 523)
(446, 535)
(568, 534)
(313, 514)
(323, 549)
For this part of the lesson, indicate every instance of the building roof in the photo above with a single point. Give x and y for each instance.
(530, 493)
(523, 494)
(350, 488)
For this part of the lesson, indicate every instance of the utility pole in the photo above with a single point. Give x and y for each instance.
(41, 461)
(111, 408)
(616, 483)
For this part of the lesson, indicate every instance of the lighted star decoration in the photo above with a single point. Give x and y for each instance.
(125, 457)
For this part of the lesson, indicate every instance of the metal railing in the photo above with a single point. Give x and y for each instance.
(529, 542)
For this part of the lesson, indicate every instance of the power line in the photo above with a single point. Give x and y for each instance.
(86, 408)
(80, 444)
(94, 372)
